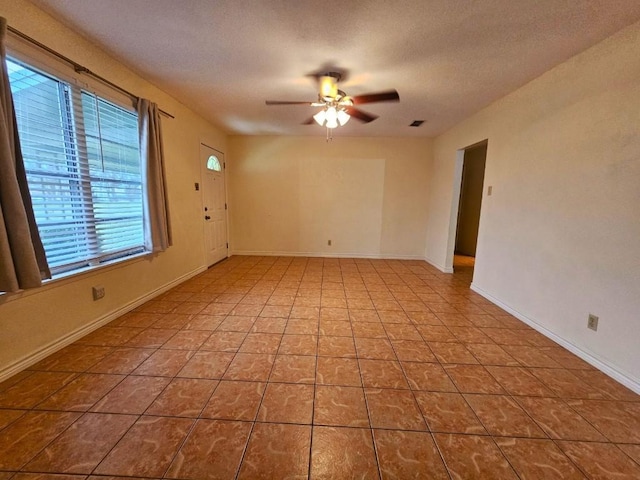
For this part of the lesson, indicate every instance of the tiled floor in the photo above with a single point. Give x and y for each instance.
(290, 368)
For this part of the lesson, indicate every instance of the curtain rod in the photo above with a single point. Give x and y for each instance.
(76, 66)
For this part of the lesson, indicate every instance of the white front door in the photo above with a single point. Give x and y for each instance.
(213, 204)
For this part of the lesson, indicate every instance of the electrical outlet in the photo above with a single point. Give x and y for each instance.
(489, 190)
(592, 322)
(98, 293)
(329, 242)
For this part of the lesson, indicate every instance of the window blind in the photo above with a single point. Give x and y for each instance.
(83, 166)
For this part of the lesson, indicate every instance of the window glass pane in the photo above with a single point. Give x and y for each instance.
(83, 167)
(114, 166)
(214, 164)
(50, 162)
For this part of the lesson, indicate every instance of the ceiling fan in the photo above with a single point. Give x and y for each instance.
(336, 106)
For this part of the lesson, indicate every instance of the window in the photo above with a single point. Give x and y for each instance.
(82, 159)
(214, 164)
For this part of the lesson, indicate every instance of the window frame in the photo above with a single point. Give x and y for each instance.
(21, 51)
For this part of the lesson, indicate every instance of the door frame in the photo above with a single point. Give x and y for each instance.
(203, 168)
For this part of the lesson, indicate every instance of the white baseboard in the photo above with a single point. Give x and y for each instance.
(592, 358)
(440, 267)
(378, 256)
(33, 358)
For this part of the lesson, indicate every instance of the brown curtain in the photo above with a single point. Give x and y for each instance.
(157, 226)
(23, 263)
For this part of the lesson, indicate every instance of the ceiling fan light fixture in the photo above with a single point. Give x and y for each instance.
(343, 117)
(320, 117)
(332, 124)
(331, 117)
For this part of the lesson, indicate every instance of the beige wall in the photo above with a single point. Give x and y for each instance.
(31, 321)
(560, 236)
(290, 195)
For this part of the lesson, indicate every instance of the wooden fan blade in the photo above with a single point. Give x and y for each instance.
(360, 115)
(278, 102)
(309, 121)
(388, 96)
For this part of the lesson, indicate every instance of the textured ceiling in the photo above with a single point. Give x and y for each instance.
(446, 58)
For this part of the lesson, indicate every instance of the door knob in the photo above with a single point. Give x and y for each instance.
(207, 217)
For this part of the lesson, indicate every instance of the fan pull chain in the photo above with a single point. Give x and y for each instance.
(329, 134)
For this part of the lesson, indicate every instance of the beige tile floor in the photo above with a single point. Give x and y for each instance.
(317, 368)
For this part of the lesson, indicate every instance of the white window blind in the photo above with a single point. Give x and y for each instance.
(83, 166)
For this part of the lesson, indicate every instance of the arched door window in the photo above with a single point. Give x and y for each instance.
(214, 164)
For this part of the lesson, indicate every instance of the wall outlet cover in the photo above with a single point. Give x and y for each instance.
(98, 293)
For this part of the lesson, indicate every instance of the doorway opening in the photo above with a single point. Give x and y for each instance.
(469, 206)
